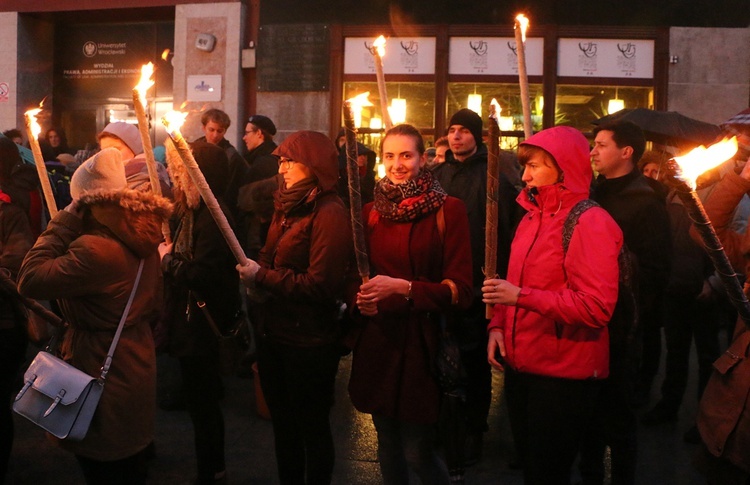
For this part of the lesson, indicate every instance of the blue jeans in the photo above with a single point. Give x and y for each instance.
(403, 445)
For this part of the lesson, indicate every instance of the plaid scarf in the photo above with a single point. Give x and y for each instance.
(411, 200)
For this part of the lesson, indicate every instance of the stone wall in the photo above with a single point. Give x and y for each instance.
(292, 112)
(711, 79)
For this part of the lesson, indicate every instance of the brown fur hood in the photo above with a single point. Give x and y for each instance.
(134, 217)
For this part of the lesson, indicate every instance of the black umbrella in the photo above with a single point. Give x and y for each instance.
(667, 127)
(739, 126)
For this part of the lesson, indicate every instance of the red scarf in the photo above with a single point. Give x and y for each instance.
(411, 200)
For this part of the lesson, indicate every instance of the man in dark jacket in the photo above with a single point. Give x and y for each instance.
(259, 133)
(215, 125)
(464, 175)
(255, 195)
(642, 215)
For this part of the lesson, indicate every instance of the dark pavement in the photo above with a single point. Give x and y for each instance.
(664, 457)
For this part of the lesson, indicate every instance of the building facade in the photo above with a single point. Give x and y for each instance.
(83, 58)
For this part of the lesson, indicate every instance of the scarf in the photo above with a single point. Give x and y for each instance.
(411, 200)
(288, 198)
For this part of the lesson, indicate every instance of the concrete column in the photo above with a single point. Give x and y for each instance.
(225, 21)
(9, 117)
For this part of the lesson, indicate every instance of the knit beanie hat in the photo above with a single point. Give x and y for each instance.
(127, 133)
(104, 172)
(469, 120)
(264, 123)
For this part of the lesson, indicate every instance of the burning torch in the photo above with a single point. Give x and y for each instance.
(682, 173)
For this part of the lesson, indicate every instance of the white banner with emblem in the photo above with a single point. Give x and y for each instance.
(494, 56)
(403, 55)
(610, 58)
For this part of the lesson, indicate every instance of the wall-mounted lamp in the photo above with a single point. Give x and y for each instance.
(205, 42)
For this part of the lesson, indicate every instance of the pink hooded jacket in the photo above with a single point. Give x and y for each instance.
(558, 327)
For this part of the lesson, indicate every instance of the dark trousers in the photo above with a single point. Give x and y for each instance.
(12, 351)
(128, 471)
(403, 445)
(478, 387)
(203, 391)
(650, 325)
(547, 419)
(472, 339)
(298, 384)
(687, 320)
(614, 425)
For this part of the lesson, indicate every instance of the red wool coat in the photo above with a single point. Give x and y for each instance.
(393, 364)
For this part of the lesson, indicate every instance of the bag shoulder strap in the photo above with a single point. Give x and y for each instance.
(116, 339)
(202, 305)
(440, 221)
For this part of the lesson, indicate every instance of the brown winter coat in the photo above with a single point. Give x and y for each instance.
(724, 413)
(89, 265)
(307, 254)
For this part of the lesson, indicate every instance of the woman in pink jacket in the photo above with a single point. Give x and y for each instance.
(549, 330)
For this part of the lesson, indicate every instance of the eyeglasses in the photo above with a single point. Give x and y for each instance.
(286, 163)
(247, 132)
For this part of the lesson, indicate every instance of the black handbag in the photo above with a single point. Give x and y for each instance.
(451, 374)
(60, 398)
(231, 345)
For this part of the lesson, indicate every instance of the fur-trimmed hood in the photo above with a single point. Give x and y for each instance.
(133, 216)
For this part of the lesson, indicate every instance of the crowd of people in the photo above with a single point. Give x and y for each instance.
(589, 270)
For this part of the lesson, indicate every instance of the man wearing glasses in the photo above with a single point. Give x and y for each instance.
(255, 199)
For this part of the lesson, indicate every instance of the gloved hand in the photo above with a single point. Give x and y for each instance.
(247, 272)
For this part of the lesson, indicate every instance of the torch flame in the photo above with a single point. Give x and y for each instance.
(173, 120)
(495, 114)
(357, 103)
(145, 83)
(702, 159)
(379, 45)
(360, 100)
(522, 22)
(31, 115)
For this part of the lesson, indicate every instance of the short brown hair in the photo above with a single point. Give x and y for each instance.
(217, 116)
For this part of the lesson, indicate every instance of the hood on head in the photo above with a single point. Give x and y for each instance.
(134, 216)
(570, 149)
(316, 151)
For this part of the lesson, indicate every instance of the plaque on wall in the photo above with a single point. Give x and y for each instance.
(104, 61)
(293, 57)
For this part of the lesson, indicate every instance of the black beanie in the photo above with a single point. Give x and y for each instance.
(264, 123)
(469, 120)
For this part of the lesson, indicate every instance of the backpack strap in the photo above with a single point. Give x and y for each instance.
(570, 222)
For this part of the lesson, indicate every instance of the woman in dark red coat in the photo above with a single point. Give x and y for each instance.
(418, 244)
